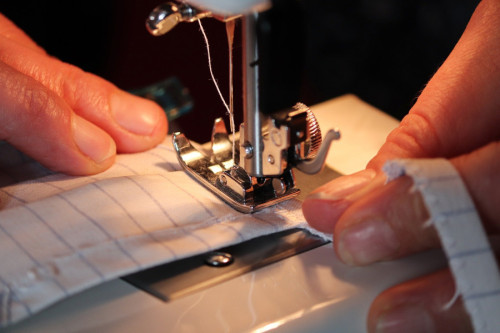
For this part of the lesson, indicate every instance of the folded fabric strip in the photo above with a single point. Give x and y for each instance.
(463, 238)
(61, 235)
(55, 247)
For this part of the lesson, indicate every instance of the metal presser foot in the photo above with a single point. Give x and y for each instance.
(273, 138)
(217, 171)
(229, 181)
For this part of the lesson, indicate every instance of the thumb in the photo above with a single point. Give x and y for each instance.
(456, 113)
(480, 172)
(388, 222)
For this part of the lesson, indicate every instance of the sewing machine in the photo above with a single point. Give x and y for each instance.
(278, 133)
(309, 291)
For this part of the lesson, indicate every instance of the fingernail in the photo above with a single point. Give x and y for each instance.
(323, 214)
(135, 114)
(408, 319)
(367, 241)
(343, 186)
(92, 141)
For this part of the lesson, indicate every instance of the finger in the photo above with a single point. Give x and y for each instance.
(480, 172)
(420, 305)
(41, 124)
(458, 109)
(323, 207)
(456, 113)
(9, 30)
(388, 222)
(135, 124)
(385, 224)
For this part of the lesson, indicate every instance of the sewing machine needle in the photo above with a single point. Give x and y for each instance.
(230, 25)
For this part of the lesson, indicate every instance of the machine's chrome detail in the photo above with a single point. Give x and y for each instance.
(313, 166)
(252, 131)
(314, 135)
(216, 171)
(166, 16)
(219, 259)
(279, 186)
(196, 273)
(259, 173)
(247, 150)
(270, 159)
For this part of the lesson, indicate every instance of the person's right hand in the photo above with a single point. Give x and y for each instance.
(68, 120)
(457, 117)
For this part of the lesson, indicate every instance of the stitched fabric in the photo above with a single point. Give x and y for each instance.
(463, 238)
(60, 235)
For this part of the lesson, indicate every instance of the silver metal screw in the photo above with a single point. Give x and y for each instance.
(223, 179)
(166, 16)
(248, 149)
(219, 259)
(279, 186)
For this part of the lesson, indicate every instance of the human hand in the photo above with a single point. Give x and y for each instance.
(68, 120)
(456, 117)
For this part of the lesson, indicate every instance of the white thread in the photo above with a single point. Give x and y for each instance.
(230, 25)
(427, 224)
(210, 67)
(452, 301)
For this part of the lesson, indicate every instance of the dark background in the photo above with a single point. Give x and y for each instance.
(384, 51)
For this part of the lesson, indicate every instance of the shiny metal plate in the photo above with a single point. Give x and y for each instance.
(174, 280)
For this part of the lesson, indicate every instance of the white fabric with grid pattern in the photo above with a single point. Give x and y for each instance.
(453, 214)
(60, 235)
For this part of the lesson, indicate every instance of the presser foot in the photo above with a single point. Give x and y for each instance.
(217, 171)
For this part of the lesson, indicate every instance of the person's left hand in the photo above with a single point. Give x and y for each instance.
(68, 120)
